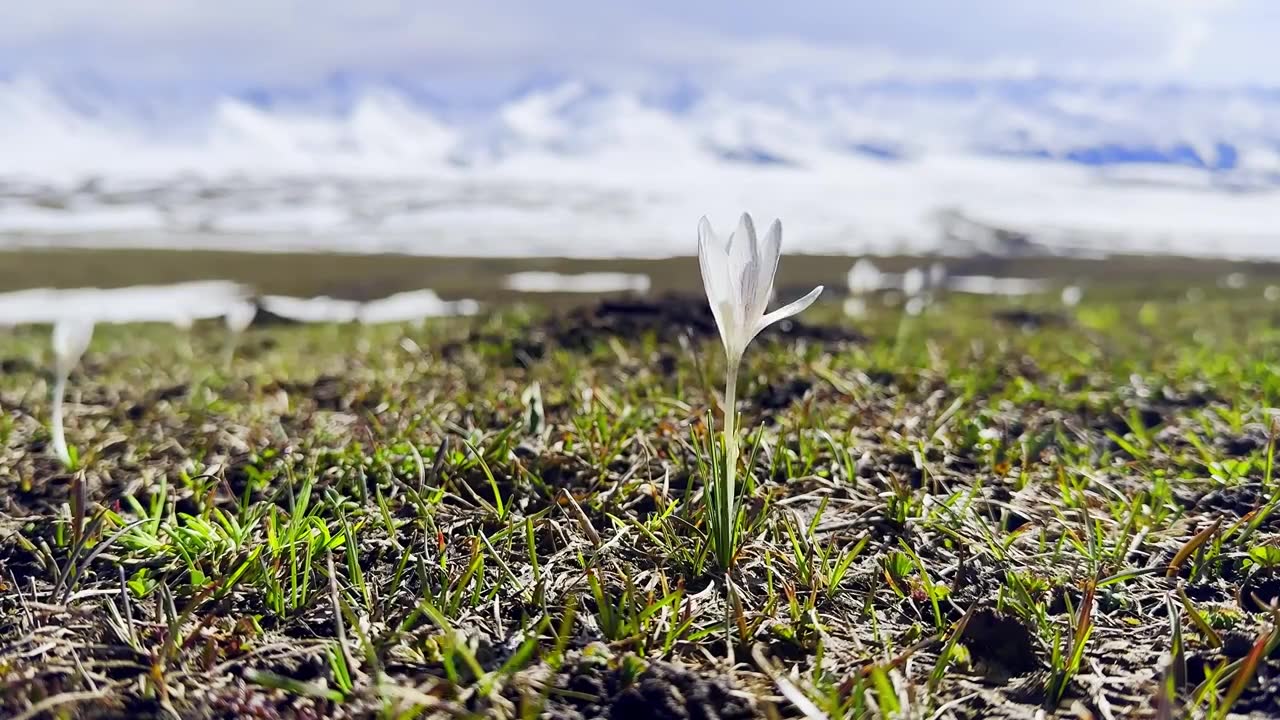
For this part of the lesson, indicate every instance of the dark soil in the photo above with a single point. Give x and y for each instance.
(1003, 645)
(661, 692)
(668, 319)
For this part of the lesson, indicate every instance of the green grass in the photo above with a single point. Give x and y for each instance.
(956, 513)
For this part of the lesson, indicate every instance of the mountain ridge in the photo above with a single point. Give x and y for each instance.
(369, 122)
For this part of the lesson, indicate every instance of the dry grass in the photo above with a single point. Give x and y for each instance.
(959, 516)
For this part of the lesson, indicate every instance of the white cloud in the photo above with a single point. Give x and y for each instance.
(294, 42)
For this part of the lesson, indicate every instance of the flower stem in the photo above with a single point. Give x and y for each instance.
(229, 352)
(59, 437)
(730, 462)
(728, 535)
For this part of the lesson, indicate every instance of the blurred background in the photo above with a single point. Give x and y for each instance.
(496, 149)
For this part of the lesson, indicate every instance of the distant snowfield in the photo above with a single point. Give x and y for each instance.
(581, 172)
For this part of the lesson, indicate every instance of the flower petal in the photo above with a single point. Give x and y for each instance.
(769, 251)
(744, 259)
(71, 337)
(714, 261)
(787, 311)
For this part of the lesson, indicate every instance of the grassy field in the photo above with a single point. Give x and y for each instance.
(992, 510)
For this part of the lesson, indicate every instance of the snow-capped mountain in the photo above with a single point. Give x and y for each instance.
(583, 169)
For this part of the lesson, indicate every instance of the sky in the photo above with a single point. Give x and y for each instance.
(1127, 134)
(487, 44)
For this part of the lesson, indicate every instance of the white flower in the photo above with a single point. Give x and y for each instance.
(71, 338)
(855, 306)
(738, 277)
(913, 282)
(240, 315)
(1072, 295)
(864, 277)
